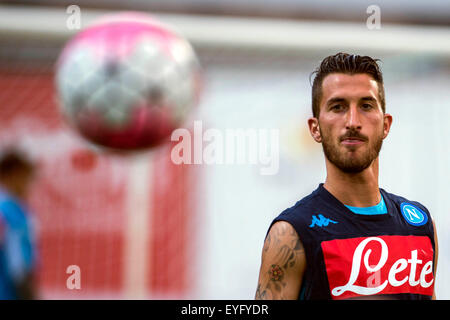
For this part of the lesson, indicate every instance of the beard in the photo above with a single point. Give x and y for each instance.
(350, 163)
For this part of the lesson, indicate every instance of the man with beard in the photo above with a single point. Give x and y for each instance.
(350, 239)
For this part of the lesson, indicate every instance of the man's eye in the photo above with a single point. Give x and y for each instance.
(367, 106)
(336, 107)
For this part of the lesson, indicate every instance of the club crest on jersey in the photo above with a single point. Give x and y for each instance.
(320, 221)
(413, 215)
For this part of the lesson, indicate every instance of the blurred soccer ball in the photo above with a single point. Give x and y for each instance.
(127, 81)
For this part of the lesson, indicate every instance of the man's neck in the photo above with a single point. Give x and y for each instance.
(354, 189)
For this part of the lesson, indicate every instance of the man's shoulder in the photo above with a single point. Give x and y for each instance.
(414, 212)
(401, 200)
(301, 207)
(11, 210)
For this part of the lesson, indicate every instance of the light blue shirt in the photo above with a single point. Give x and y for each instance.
(380, 208)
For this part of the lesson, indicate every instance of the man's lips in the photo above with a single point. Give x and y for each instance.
(352, 141)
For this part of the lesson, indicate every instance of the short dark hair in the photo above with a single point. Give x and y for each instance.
(13, 161)
(348, 64)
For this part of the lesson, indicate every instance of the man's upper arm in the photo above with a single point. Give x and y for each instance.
(283, 264)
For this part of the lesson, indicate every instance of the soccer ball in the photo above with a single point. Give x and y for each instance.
(127, 81)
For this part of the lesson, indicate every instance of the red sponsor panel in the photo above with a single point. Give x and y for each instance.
(367, 266)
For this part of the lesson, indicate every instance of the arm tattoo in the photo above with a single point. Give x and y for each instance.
(286, 257)
(276, 273)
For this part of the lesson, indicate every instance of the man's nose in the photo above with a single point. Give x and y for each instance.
(353, 118)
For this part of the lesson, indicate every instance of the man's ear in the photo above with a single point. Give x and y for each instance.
(314, 129)
(387, 122)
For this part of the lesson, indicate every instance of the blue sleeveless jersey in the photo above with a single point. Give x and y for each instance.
(348, 255)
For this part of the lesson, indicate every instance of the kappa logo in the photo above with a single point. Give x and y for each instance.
(320, 221)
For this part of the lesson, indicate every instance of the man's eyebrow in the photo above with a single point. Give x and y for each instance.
(334, 100)
(340, 99)
(368, 98)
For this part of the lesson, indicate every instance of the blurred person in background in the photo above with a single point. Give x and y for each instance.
(349, 238)
(17, 254)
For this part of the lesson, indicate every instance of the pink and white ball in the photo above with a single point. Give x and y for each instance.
(127, 81)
